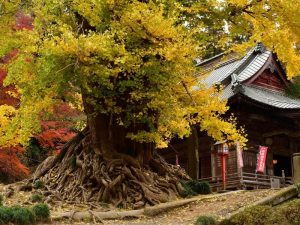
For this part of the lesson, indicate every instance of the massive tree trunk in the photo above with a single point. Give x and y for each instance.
(101, 165)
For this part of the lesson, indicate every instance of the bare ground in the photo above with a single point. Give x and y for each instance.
(218, 206)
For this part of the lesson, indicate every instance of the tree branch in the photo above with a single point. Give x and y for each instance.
(188, 92)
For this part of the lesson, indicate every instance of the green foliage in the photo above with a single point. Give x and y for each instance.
(187, 191)
(201, 187)
(41, 211)
(38, 184)
(34, 152)
(293, 88)
(195, 187)
(36, 198)
(1, 199)
(5, 215)
(21, 215)
(206, 220)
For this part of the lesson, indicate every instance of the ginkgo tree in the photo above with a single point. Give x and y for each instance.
(131, 63)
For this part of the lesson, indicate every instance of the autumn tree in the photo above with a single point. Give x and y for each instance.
(132, 64)
(11, 168)
(55, 131)
(275, 23)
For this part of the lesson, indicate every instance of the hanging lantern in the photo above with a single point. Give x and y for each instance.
(221, 148)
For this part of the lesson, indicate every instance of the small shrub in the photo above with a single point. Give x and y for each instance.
(203, 188)
(36, 198)
(35, 153)
(22, 216)
(188, 191)
(38, 184)
(206, 220)
(194, 187)
(1, 200)
(5, 215)
(41, 211)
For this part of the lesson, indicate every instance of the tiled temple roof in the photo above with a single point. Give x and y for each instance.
(234, 73)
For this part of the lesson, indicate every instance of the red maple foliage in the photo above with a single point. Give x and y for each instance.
(23, 22)
(10, 166)
(55, 133)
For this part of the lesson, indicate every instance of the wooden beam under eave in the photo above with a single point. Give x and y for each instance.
(279, 132)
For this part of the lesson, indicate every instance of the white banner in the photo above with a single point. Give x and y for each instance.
(239, 155)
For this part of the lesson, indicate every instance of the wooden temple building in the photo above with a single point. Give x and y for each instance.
(255, 86)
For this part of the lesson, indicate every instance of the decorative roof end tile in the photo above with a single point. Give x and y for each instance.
(260, 48)
(236, 85)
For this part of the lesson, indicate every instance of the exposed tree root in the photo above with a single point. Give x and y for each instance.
(148, 211)
(79, 174)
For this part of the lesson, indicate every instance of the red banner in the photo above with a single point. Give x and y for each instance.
(261, 159)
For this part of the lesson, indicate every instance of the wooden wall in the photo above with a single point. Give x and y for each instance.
(260, 125)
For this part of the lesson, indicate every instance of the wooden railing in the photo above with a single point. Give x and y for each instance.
(289, 181)
(247, 180)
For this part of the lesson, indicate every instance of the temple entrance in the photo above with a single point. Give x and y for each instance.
(282, 163)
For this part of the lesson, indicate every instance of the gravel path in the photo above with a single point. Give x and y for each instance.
(218, 206)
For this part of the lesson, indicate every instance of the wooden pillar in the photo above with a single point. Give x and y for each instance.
(213, 165)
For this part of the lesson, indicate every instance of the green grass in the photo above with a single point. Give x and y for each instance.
(206, 220)
(38, 184)
(36, 198)
(41, 211)
(22, 215)
(5, 215)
